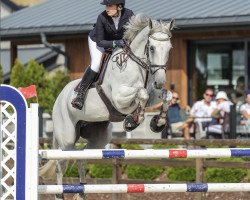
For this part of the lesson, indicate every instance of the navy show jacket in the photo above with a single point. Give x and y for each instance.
(105, 31)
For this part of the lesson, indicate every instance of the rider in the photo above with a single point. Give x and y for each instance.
(107, 34)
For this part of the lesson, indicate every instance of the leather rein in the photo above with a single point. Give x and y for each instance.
(145, 65)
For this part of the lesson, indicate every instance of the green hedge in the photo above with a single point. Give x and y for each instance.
(220, 175)
(181, 174)
(185, 174)
(143, 172)
(101, 171)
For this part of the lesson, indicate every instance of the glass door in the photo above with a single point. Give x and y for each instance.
(218, 65)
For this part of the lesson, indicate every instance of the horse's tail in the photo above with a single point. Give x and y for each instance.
(48, 171)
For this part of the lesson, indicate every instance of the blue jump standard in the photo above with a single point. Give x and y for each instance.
(11, 95)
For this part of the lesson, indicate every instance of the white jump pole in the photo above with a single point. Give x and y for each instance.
(144, 188)
(145, 153)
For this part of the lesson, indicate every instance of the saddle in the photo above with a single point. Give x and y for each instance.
(114, 115)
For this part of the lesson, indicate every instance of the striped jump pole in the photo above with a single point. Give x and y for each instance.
(144, 188)
(144, 154)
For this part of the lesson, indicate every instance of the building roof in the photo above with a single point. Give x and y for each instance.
(41, 55)
(78, 16)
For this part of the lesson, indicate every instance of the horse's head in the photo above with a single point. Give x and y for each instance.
(157, 50)
(149, 46)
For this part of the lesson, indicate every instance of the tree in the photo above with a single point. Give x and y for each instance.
(48, 87)
(17, 76)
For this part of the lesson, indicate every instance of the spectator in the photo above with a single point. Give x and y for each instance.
(245, 110)
(201, 111)
(174, 116)
(222, 110)
(238, 95)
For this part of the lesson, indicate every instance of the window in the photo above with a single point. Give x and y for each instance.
(216, 64)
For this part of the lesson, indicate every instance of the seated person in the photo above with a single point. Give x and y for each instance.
(221, 111)
(174, 116)
(245, 111)
(238, 95)
(201, 111)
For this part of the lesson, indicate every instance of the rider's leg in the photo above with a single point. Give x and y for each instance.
(89, 75)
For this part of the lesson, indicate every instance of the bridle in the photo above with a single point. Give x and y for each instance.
(146, 51)
(122, 57)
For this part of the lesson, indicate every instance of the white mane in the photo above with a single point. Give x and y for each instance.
(139, 22)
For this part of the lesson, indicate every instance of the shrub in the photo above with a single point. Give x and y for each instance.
(162, 146)
(181, 174)
(72, 171)
(143, 172)
(101, 171)
(17, 76)
(220, 175)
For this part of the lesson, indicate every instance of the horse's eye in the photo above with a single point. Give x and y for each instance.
(152, 49)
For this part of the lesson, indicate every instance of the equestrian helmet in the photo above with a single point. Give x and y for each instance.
(108, 2)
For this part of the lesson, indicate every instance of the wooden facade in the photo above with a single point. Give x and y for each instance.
(76, 47)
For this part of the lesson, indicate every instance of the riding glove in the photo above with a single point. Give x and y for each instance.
(119, 43)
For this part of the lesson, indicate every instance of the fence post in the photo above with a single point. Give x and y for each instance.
(200, 174)
(116, 173)
(232, 122)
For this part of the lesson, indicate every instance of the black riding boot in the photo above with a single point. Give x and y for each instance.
(87, 79)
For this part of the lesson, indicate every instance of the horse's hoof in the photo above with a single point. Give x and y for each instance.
(59, 197)
(153, 124)
(129, 123)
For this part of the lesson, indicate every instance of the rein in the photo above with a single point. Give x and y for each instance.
(127, 52)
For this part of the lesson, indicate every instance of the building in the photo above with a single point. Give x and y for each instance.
(27, 2)
(42, 55)
(7, 7)
(211, 42)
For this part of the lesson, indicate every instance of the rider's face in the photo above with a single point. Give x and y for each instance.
(112, 10)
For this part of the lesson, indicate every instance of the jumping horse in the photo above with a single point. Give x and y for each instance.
(130, 73)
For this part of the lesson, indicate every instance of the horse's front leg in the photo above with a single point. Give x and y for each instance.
(135, 119)
(158, 122)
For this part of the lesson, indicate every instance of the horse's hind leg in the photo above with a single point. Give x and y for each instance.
(81, 172)
(65, 137)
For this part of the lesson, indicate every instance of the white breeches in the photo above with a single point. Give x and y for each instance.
(95, 55)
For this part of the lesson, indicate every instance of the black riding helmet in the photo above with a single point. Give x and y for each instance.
(108, 2)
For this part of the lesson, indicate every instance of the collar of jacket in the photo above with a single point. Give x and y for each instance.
(111, 23)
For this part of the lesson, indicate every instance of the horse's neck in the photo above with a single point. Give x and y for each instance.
(139, 42)
(131, 68)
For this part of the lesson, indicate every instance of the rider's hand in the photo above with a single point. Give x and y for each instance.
(119, 43)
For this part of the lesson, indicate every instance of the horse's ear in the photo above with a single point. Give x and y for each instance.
(172, 24)
(150, 24)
